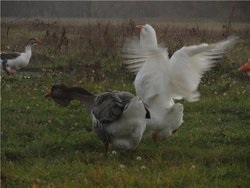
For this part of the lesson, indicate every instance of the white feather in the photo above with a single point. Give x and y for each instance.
(127, 131)
(21, 61)
(188, 64)
(160, 80)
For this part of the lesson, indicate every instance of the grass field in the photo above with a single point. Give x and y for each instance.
(46, 145)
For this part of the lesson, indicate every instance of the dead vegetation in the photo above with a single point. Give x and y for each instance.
(94, 47)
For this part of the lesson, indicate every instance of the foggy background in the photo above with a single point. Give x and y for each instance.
(169, 10)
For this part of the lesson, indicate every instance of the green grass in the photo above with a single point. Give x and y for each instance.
(46, 145)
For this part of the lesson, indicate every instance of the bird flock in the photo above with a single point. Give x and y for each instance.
(121, 118)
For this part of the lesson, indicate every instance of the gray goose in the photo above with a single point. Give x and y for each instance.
(13, 61)
(118, 118)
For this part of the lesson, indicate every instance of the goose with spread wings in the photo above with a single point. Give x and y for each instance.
(159, 80)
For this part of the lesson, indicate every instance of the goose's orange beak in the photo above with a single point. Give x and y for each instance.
(140, 26)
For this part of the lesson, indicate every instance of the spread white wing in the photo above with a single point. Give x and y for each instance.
(185, 68)
(136, 55)
(188, 64)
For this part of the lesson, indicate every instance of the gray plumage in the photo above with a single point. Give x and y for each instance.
(9, 55)
(107, 108)
(118, 118)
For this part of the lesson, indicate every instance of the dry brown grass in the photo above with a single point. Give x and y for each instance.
(93, 47)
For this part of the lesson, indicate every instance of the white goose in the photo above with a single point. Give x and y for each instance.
(119, 118)
(159, 79)
(13, 61)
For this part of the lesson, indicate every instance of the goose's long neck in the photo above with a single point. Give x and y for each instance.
(149, 41)
(28, 51)
(86, 98)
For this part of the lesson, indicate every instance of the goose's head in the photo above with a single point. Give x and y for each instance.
(147, 36)
(60, 94)
(33, 42)
(58, 90)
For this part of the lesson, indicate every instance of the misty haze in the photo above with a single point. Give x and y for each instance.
(192, 10)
